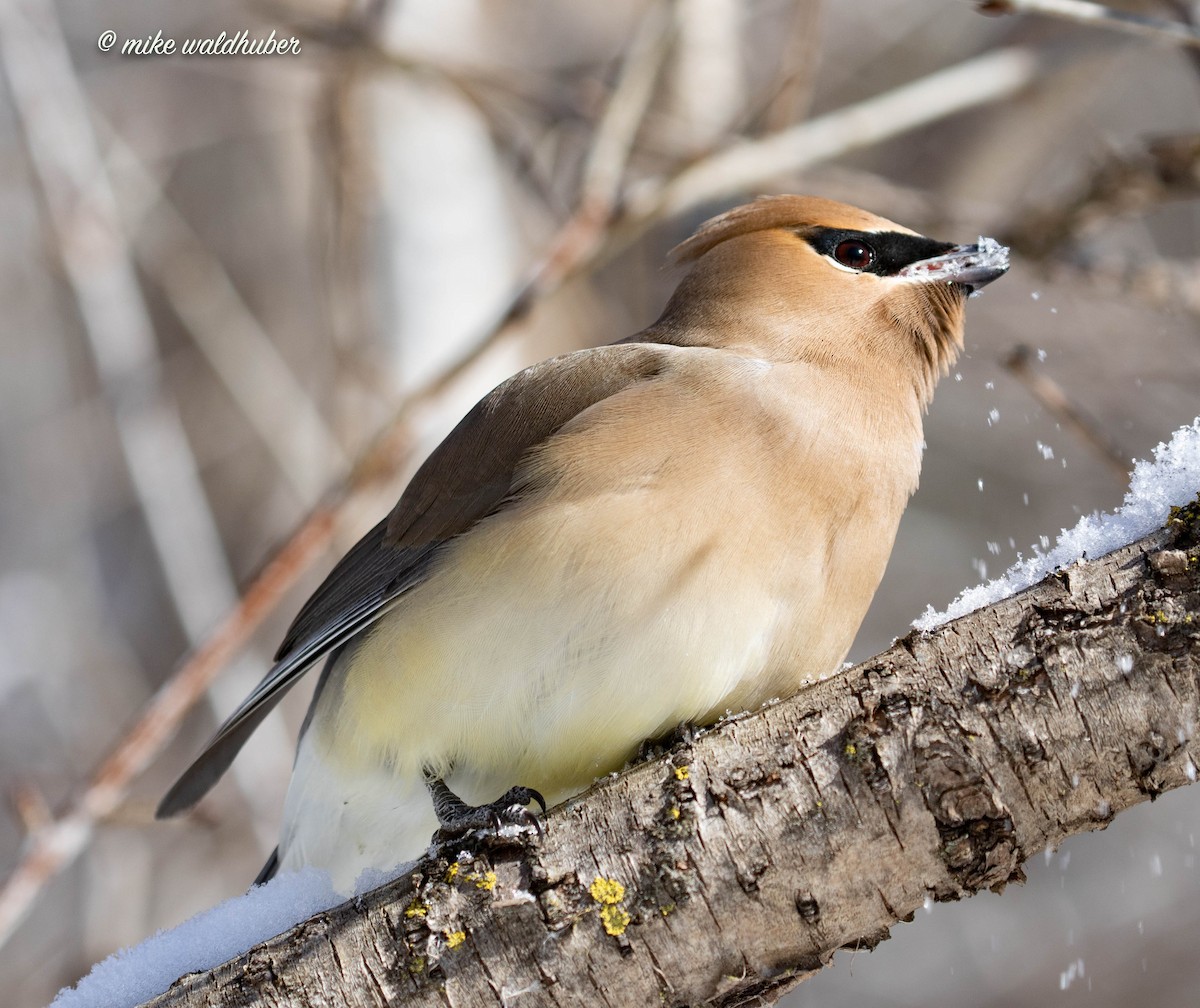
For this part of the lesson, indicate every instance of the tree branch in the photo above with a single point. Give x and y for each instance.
(736, 865)
(1088, 13)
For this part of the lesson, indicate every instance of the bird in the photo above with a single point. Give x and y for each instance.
(620, 540)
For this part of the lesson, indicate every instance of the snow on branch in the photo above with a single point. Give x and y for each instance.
(1155, 487)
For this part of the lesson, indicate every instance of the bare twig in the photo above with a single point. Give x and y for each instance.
(799, 62)
(604, 170)
(707, 88)
(31, 807)
(56, 844)
(98, 265)
(1052, 397)
(995, 75)
(357, 38)
(1122, 185)
(1125, 183)
(229, 336)
(1157, 284)
(1085, 12)
(1189, 14)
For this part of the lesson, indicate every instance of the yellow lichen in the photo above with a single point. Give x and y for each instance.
(609, 893)
(485, 881)
(615, 919)
(454, 938)
(1185, 514)
(452, 872)
(851, 749)
(682, 773)
(607, 890)
(673, 812)
(416, 909)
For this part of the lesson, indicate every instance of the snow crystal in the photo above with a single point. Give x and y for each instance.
(131, 976)
(1172, 479)
(1070, 974)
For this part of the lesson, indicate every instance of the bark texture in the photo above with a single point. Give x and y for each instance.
(735, 865)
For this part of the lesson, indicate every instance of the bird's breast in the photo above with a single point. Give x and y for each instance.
(718, 556)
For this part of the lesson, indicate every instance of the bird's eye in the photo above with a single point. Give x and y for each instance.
(854, 254)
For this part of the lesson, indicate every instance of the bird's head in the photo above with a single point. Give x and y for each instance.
(803, 278)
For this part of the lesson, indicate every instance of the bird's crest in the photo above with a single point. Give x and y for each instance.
(778, 211)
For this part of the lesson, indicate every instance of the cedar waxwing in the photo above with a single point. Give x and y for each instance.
(623, 539)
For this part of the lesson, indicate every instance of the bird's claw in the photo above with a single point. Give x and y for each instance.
(456, 817)
(512, 810)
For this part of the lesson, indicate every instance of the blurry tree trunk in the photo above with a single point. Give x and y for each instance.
(731, 868)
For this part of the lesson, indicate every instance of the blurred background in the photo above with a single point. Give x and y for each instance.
(223, 276)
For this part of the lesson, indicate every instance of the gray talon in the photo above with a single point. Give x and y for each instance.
(456, 817)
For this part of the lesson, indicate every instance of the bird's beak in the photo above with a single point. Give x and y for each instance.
(970, 266)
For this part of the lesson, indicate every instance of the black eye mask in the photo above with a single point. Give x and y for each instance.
(888, 252)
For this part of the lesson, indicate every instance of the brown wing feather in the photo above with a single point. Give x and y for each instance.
(469, 474)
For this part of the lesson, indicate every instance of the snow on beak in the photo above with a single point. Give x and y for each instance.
(969, 266)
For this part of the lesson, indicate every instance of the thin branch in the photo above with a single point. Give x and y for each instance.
(98, 265)
(1123, 184)
(707, 83)
(740, 168)
(31, 807)
(1159, 284)
(800, 63)
(99, 269)
(604, 170)
(1126, 182)
(1189, 14)
(228, 335)
(357, 38)
(1099, 16)
(56, 844)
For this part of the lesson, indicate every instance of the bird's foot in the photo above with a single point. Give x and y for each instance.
(455, 817)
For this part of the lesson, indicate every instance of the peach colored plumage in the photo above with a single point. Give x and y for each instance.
(618, 540)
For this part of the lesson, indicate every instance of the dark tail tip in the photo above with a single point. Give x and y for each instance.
(269, 869)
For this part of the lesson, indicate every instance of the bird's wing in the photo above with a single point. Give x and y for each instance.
(468, 476)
